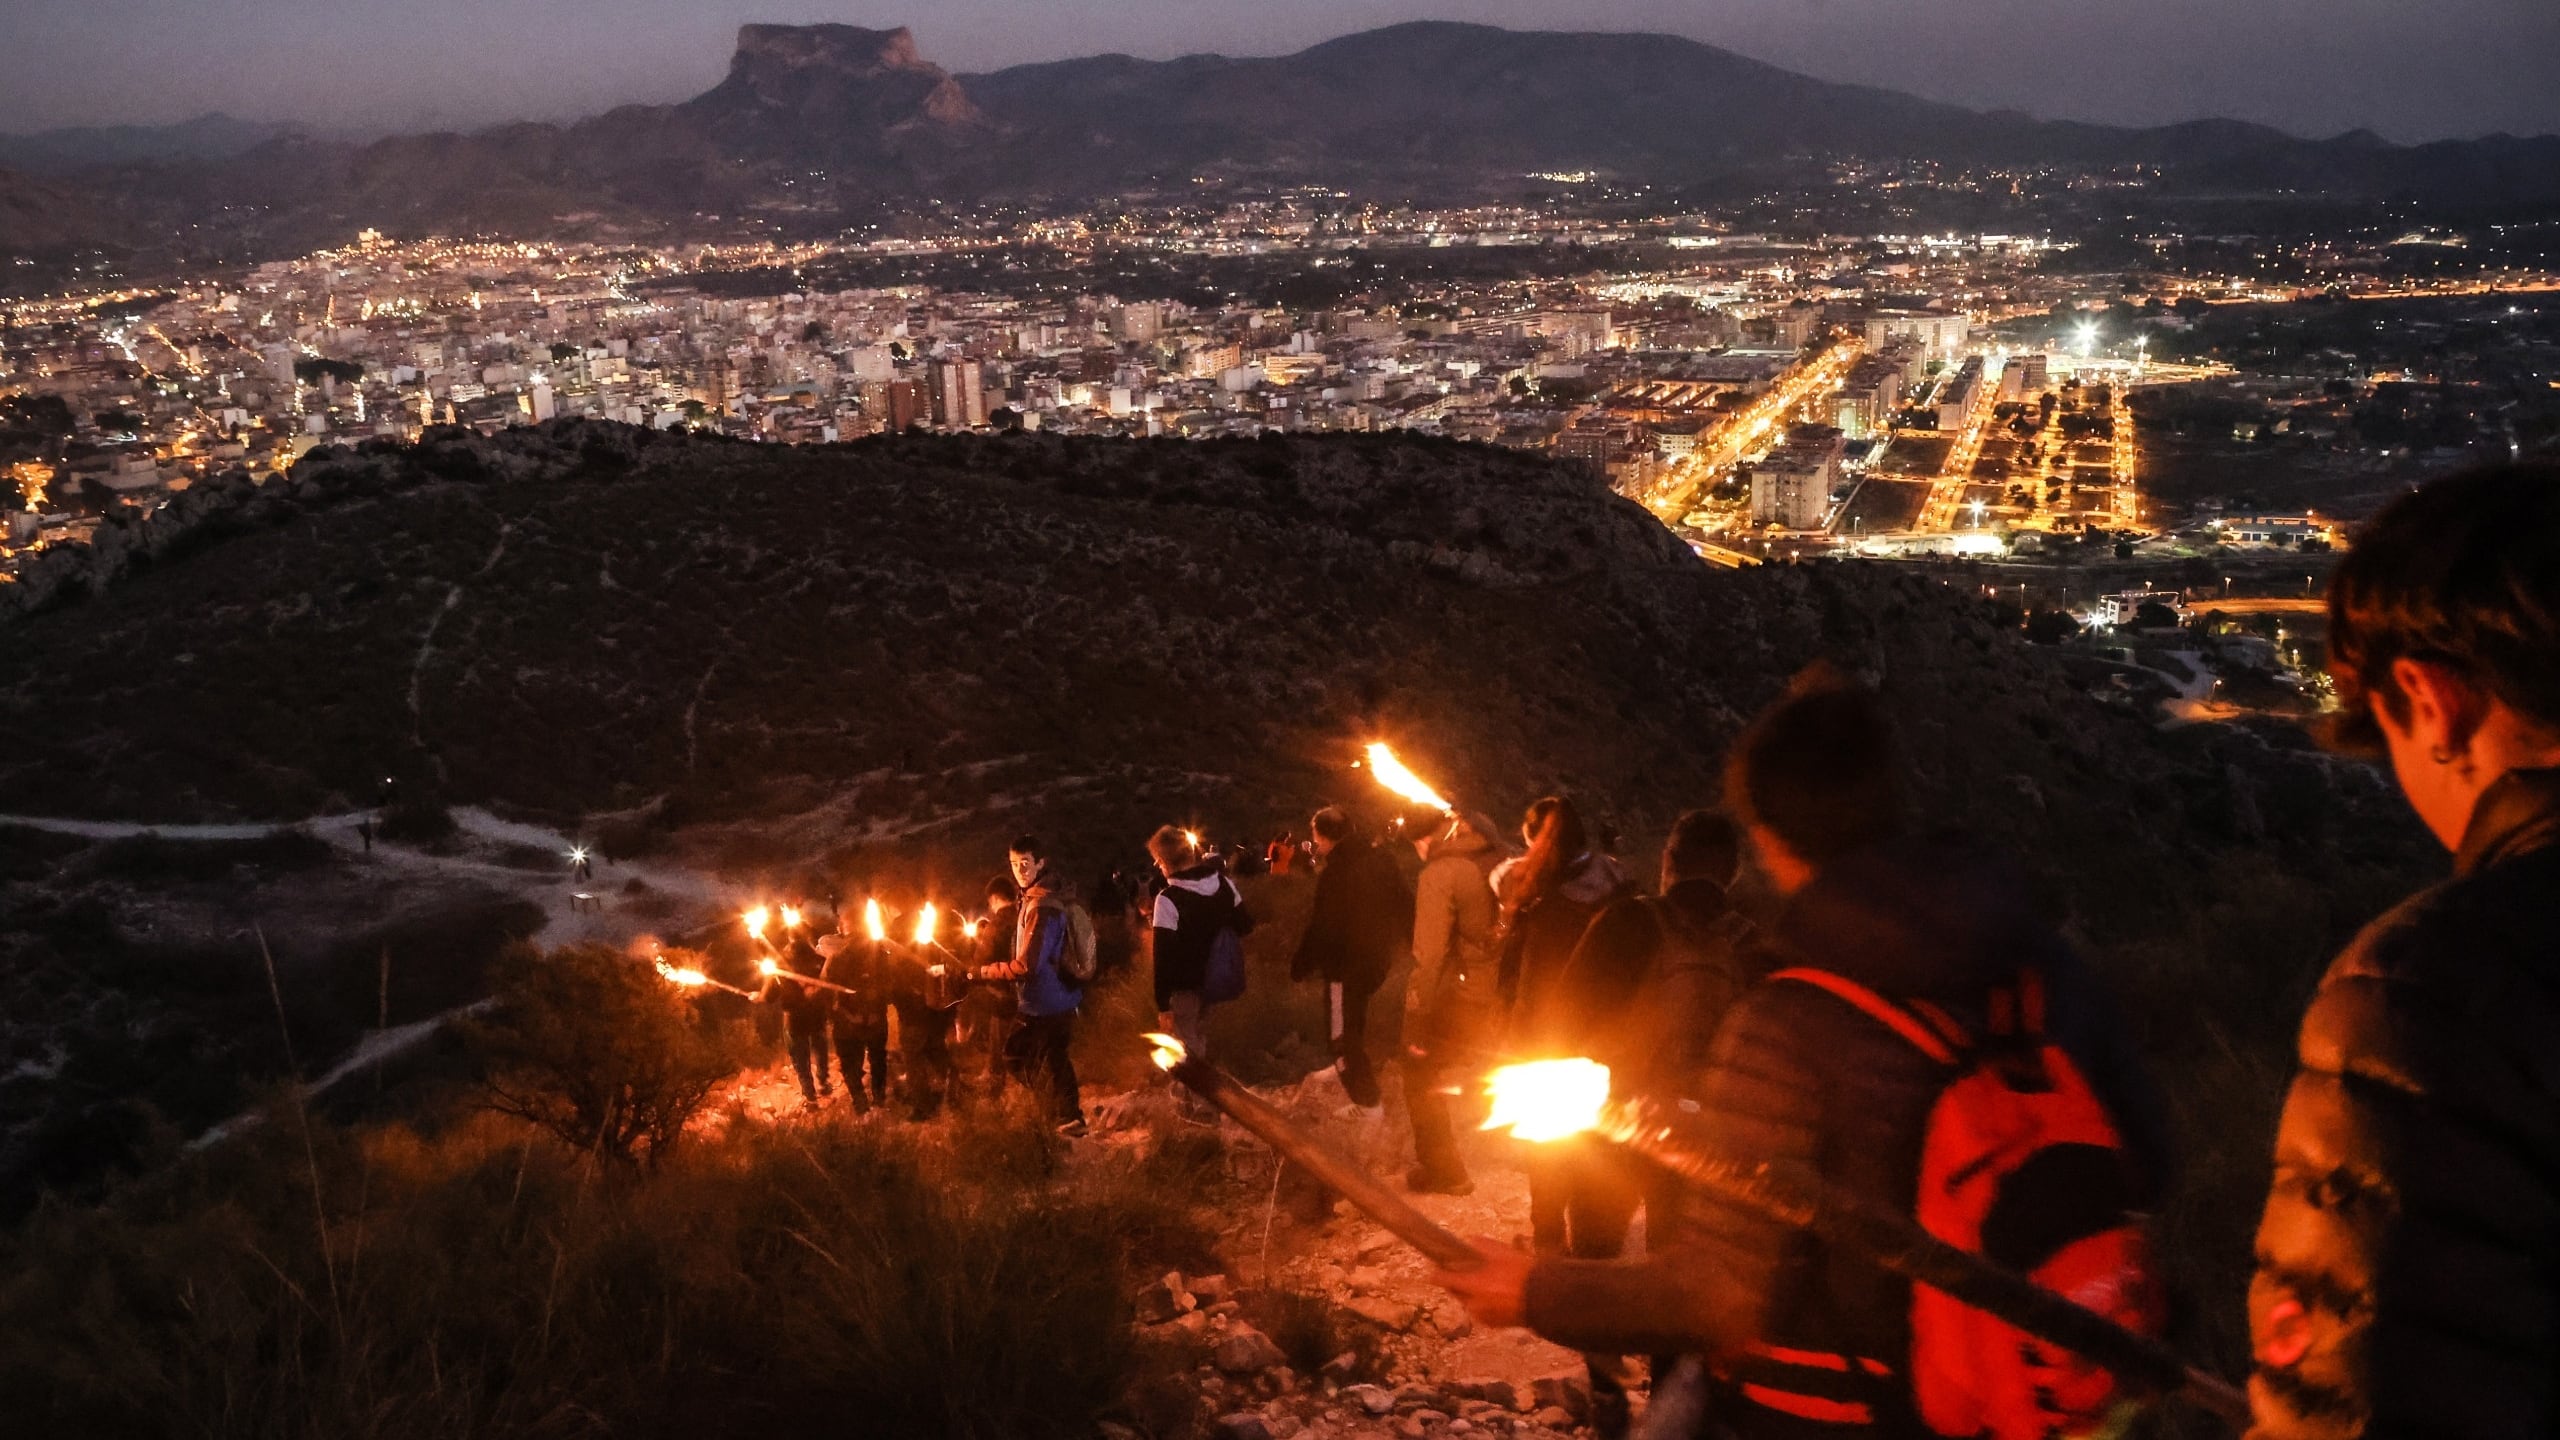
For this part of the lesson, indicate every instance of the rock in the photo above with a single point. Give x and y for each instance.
(1193, 1327)
(1382, 1312)
(1460, 1426)
(1247, 1351)
(1376, 1245)
(1553, 1417)
(1372, 1398)
(1164, 1300)
(1243, 1425)
(1342, 1367)
(1569, 1393)
(1412, 1428)
(1365, 1277)
(1452, 1320)
(1225, 1307)
(1431, 1417)
(1494, 1391)
(1209, 1289)
(1283, 1379)
(1413, 1397)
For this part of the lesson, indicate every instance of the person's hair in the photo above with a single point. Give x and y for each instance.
(1172, 848)
(1002, 887)
(1027, 845)
(1818, 769)
(1557, 838)
(1704, 845)
(2463, 572)
(1333, 823)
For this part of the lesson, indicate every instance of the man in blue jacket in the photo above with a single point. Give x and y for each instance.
(1046, 997)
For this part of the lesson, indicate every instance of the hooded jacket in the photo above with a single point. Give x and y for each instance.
(1650, 984)
(1362, 921)
(1797, 1076)
(1455, 919)
(1194, 905)
(1541, 941)
(2409, 1257)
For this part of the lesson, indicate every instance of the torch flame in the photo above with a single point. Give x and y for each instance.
(768, 966)
(790, 917)
(1168, 1051)
(925, 919)
(1392, 774)
(1191, 838)
(756, 920)
(970, 929)
(872, 922)
(687, 978)
(1547, 1099)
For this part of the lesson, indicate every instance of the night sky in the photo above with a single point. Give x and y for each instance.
(2411, 69)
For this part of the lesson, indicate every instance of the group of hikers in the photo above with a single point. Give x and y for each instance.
(1890, 984)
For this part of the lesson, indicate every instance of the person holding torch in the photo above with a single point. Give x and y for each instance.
(1821, 1070)
(804, 1005)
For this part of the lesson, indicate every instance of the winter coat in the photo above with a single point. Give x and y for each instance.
(1650, 983)
(1797, 1077)
(2409, 1257)
(1362, 921)
(1454, 955)
(1194, 905)
(804, 1004)
(1540, 943)
(1040, 938)
(855, 964)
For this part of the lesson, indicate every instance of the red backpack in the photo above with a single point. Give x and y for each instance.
(2022, 1165)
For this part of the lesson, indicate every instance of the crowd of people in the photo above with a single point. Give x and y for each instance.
(2409, 1258)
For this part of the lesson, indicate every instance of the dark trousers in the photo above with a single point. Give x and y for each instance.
(862, 1039)
(806, 1036)
(1442, 1040)
(1036, 1054)
(1582, 1203)
(924, 1034)
(1347, 1025)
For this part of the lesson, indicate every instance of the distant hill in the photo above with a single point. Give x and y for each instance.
(816, 125)
(74, 149)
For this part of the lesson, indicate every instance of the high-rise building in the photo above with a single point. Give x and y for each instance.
(959, 395)
(1792, 487)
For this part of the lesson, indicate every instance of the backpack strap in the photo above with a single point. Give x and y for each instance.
(1931, 1031)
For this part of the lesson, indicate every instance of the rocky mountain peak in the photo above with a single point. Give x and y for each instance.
(817, 72)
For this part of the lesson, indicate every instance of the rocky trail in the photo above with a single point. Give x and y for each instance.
(1412, 1363)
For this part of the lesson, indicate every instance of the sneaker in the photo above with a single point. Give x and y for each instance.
(1423, 1180)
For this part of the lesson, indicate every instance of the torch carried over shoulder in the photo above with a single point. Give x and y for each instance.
(1552, 1099)
(1295, 1146)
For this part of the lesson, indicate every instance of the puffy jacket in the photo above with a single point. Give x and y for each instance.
(1797, 1076)
(1040, 938)
(2409, 1257)
(1361, 923)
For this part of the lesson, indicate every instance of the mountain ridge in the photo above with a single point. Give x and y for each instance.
(815, 127)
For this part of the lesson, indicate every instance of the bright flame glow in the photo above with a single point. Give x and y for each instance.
(1392, 774)
(687, 978)
(768, 966)
(1547, 1099)
(756, 920)
(790, 917)
(1191, 838)
(578, 855)
(871, 921)
(970, 929)
(925, 919)
(1168, 1051)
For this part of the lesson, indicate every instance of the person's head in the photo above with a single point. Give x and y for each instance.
(1466, 831)
(2444, 637)
(1704, 845)
(1331, 826)
(1557, 838)
(1025, 859)
(1814, 777)
(1173, 849)
(1001, 893)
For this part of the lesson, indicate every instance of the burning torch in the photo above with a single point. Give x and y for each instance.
(692, 979)
(1297, 1147)
(1552, 1099)
(773, 968)
(1391, 773)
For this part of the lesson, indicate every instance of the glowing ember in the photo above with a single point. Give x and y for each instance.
(1392, 774)
(790, 917)
(1191, 838)
(768, 966)
(756, 920)
(925, 920)
(1547, 1099)
(871, 921)
(687, 978)
(1168, 1051)
(970, 928)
